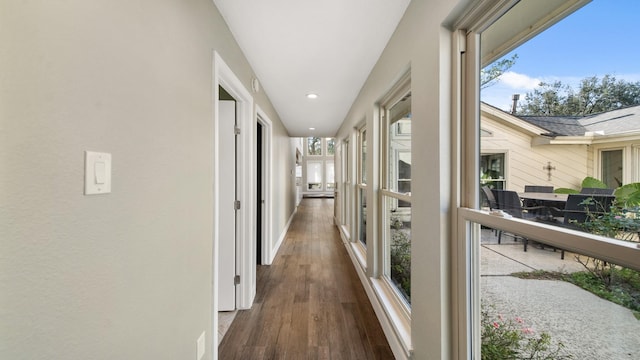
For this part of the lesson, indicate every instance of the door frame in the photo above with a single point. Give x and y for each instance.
(245, 263)
(267, 189)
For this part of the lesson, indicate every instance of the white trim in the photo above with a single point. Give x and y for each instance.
(245, 263)
(267, 236)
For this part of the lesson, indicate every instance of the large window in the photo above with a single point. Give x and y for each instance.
(539, 277)
(319, 165)
(361, 187)
(346, 178)
(396, 192)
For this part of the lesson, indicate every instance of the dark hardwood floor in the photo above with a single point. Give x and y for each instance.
(310, 303)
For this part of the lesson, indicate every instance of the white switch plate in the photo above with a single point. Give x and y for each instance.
(200, 346)
(97, 173)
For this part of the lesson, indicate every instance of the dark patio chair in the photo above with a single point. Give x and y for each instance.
(578, 207)
(491, 200)
(509, 202)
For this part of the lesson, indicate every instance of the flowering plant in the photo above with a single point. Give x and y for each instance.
(504, 339)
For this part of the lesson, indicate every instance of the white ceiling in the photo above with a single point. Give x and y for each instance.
(327, 47)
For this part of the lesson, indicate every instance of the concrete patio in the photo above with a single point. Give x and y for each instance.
(588, 326)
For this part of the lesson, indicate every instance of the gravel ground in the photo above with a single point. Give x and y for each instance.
(588, 326)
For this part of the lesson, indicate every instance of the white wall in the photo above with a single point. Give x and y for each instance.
(125, 275)
(422, 44)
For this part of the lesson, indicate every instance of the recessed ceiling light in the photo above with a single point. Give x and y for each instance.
(312, 96)
(312, 128)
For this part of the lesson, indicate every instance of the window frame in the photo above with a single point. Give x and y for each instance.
(360, 187)
(469, 218)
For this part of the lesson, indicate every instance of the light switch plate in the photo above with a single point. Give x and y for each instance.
(97, 173)
(200, 346)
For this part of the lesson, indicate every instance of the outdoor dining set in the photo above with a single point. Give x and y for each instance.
(540, 203)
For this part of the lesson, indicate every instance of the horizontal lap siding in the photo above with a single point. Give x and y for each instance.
(524, 162)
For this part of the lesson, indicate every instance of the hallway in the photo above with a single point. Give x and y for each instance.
(310, 303)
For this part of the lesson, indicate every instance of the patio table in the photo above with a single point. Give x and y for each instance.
(538, 196)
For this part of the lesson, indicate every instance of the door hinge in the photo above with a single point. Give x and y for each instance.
(236, 280)
(236, 204)
(236, 130)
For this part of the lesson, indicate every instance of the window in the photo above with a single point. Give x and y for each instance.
(314, 146)
(331, 146)
(611, 166)
(314, 175)
(361, 187)
(499, 299)
(319, 165)
(396, 192)
(492, 171)
(346, 177)
(331, 180)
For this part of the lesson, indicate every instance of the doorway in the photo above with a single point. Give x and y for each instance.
(227, 199)
(243, 270)
(259, 192)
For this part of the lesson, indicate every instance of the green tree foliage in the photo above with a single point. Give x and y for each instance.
(594, 95)
(489, 75)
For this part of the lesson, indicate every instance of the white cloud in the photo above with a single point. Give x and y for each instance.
(519, 81)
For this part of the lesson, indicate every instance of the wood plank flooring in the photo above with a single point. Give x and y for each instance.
(310, 303)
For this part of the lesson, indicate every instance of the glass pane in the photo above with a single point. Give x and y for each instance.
(330, 175)
(612, 168)
(331, 146)
(397, 248)
(399, 147)
(542, 133)
(314, 175)
(314, 146)
(362, 216)
(492, 170)
(537, 301)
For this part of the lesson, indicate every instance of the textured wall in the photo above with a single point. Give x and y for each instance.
(125, 275)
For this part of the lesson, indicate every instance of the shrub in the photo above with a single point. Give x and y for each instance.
(505, 339)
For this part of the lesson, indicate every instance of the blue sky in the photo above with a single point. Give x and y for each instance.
(600, 38)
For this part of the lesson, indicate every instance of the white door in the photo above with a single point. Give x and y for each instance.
(227, 221)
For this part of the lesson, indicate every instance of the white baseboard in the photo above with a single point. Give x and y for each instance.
(283, 234)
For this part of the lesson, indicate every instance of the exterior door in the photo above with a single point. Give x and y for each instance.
(227, 222)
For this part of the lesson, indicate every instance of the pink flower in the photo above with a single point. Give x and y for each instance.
(496, 325)
(519, 320)
(527, 331)
(618, 217)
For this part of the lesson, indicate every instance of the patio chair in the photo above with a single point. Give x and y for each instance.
(509, 202)
(578, 207)
(491, 200)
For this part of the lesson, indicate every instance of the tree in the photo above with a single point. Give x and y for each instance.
(490, 75)
(594, 95)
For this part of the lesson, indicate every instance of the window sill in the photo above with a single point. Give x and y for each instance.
(361, 253)
(396, 313)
